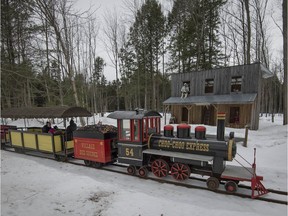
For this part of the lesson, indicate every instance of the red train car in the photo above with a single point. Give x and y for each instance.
(96, 144)
(4, 134)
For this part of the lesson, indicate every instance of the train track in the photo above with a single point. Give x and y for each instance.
(248, 187)
(200, 183)
(169, 180)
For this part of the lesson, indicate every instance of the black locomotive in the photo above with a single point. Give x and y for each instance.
(141, 145)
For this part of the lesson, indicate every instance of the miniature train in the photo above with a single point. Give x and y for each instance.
(138, 143)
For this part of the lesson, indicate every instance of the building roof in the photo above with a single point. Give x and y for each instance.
(266, 73)
(212, 99)
(45, 112)
(137, 114)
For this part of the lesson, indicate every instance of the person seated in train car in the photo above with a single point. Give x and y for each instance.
(55, 130)
(69, 130)
(46, 128)
(52, 130)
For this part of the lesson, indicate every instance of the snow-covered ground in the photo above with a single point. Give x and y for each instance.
(35, 186)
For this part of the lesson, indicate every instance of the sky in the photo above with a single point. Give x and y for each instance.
(274, 18)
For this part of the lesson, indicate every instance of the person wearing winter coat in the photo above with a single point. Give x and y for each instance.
(69, 130)
(55, 130)
(46, 128)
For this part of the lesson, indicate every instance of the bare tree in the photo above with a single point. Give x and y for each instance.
(239, 35)
(112, 32)
(248, 23)
(91, 30)
(58, 16)
(285, 60)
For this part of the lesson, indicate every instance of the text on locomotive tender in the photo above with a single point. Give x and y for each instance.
(88, 146)
(183, 145)
(87, 152)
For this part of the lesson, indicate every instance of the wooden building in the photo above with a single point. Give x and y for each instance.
(235, 90)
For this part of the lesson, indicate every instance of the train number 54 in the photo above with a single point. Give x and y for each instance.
(129, 152)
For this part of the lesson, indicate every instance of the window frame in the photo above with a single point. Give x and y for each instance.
(132, 128)
(120, 130)
(150, 122)
(188, 83)
(236, 86)
(206, 86)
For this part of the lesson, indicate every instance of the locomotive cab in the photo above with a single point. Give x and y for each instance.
(134, 129)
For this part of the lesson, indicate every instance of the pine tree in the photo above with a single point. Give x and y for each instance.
(147, 37)
(17, 77)
(193, 30)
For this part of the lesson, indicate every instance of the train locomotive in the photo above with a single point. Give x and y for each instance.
(137, 142)
(141, 145)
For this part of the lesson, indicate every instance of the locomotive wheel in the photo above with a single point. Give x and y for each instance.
(160, 168)
(143, 172)
(231, 186)
(87, 162)
(213, 183)
(180, 171)
(131, 170)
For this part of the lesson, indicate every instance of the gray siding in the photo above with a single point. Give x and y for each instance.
(222, 80)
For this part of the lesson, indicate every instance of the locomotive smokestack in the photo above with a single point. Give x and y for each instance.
(220, 126)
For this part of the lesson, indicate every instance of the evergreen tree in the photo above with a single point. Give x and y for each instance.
(17, 32)
(147, 37)
(130, 87)
(193, 30)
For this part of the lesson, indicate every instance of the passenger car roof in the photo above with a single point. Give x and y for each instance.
(137, 114)
(45, 112)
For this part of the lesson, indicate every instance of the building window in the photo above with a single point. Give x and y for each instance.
(209, 86)
(236, 83)
(185, 89)
(188, 84)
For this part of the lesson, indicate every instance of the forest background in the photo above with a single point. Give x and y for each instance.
(49, 50)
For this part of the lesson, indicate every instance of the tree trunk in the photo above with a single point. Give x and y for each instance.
(285, 61)
(248, 58)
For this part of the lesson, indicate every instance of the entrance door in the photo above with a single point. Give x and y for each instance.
(208, 115)
(184, 114)
(234, 115)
